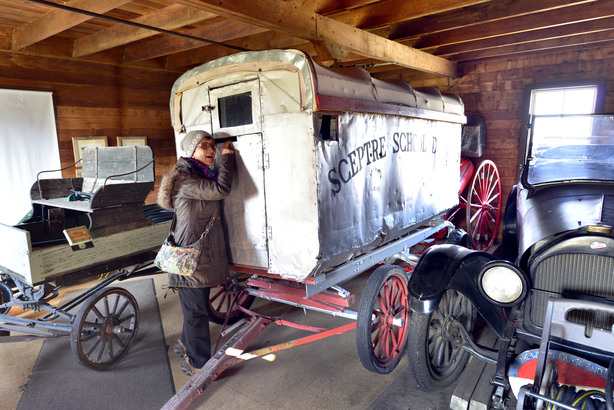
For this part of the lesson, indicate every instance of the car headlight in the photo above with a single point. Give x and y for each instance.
(503, 283)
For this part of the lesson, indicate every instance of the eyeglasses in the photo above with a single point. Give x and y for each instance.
(205, 145)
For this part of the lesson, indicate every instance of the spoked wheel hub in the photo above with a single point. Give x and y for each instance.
(110, 326)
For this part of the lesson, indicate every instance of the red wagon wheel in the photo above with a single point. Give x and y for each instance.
(383, 319)
(484, 206)
(228, 296)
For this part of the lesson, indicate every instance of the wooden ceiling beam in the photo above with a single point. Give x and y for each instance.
(167, 18)
(286, 16)
(221, 31)
(56, 21)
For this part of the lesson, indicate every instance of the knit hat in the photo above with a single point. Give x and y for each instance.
(191, 140)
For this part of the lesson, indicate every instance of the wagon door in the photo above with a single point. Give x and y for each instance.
(235, 110)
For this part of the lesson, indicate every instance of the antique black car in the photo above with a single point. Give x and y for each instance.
(547, 292)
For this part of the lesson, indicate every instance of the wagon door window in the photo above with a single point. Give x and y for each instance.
(236, 108)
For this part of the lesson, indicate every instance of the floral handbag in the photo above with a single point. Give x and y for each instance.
(181, 260)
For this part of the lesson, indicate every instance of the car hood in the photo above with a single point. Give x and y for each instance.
(561, 208)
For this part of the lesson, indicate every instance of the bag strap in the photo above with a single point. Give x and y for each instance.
(207, 228)
(211, 221)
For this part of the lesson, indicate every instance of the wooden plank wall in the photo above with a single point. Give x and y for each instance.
(496, 89)
(93, 99)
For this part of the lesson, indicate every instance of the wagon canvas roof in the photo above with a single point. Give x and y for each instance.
(343, 89)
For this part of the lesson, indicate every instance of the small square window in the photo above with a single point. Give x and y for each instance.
(235, 110)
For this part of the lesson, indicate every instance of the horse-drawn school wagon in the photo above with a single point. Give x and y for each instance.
(337, 172)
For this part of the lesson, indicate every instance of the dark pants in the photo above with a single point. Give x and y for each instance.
(195, 334)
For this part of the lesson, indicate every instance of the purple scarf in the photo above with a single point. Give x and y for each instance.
(205, 170)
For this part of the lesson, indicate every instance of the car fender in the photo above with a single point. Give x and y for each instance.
(449, 266)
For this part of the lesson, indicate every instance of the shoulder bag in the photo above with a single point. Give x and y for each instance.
(182, 260)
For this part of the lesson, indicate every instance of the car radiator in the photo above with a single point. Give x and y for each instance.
(573, 276)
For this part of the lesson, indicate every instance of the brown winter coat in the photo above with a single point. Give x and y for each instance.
(194, 198)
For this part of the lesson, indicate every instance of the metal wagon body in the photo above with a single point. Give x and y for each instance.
(334, 162)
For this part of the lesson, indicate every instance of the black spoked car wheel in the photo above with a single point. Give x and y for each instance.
(6, 295)
(435, 357)
(105, 328)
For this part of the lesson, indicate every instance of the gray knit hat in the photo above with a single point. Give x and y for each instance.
(191, 140)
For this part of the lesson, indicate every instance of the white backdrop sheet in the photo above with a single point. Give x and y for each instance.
(29, 142)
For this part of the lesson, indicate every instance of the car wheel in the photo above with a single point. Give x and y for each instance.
(435, 358)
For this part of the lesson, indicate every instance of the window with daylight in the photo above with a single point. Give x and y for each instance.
(566, 137)
(548, 102)
(564, 100)
(557, 101)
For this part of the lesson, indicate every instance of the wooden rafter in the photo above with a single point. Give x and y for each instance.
(543, 46)
(168, 18)
(374, 15)
(480, 14)
(527, 40)
(265, 40)
(551, 18)
(56, 21)
(220, 31)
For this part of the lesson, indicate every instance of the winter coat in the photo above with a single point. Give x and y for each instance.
(194, 198)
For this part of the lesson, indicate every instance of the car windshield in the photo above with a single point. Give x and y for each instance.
(570, 148)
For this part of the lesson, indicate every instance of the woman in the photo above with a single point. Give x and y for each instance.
(194, 190)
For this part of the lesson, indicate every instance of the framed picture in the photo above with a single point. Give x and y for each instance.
(78, 143)
(130, 141)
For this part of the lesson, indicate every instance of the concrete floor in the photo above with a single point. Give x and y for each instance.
(322, 374)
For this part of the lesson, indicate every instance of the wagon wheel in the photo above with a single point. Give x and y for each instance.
(105, 328)
(435, 357)
(383, 319)
(6, 295)
(222, 298)
(484, 206)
